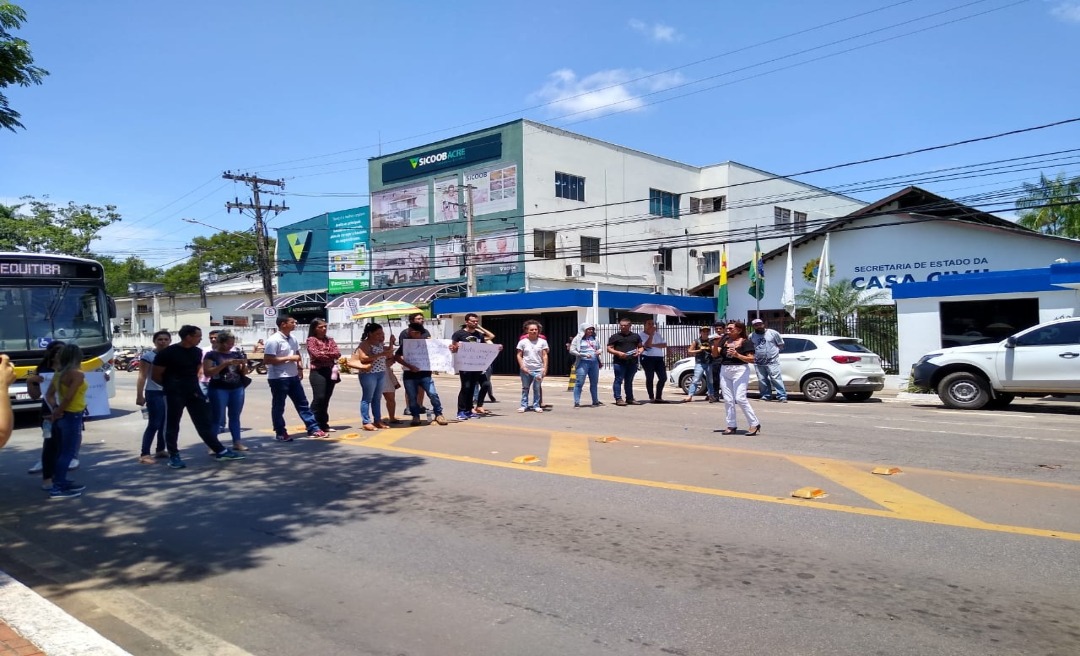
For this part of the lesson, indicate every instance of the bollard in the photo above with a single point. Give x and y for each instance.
(572, 381)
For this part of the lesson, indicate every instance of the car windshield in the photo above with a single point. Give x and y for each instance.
(849, 345)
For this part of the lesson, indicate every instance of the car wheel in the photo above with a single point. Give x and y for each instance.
(685, 380)
(1001, 401)
(857, 396)
(963, 391)
(819, 388)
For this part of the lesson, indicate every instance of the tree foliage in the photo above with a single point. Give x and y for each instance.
(1052, 206)
(835, 305)
(16, 62)
(41, 226)
(227, 252)
(119, 273)
(182, 278)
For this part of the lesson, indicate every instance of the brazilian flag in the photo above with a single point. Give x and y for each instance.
(757, 273)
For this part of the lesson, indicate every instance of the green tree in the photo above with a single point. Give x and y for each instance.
(41, 226)
(118, 273)
(834, 306)
(16, 62)
(228, 252)
(1052, 206)
(182, 278)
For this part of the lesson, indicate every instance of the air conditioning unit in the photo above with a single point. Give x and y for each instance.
(658, 258)
(575, 270)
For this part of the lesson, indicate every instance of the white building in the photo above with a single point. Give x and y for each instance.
(152, 309)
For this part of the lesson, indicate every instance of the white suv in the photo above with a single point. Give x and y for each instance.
(819, 366)
(1037, 361)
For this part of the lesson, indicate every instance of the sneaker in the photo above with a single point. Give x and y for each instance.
(765, 398)
(176, 463)
(597, 404)
(784, 400)
(577, 405)
(440, 420)
(283, 437)
(72, 486)
(462, 416)
(74, 464)
(229, 454)
(56, 493)
(36, 469)
(318, 434)
(416, 422)
(538, 409)
(475, 415)
(521, 409)
(146, 460)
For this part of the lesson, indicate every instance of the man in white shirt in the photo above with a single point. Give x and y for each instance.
(284, 374)
(532, 357)
(652, 360)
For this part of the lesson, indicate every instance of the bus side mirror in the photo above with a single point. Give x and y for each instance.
(112, 306)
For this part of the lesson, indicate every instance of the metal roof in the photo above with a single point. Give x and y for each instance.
(415, 295)
(285, 301)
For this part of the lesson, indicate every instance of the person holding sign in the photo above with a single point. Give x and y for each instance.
(532, 357)
(417, 380)
(372, 352)
(469, 379)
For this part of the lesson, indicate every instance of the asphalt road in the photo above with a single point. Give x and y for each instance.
(671, 540)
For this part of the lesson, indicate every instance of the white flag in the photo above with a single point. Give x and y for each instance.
(788, 299)
(823, 268)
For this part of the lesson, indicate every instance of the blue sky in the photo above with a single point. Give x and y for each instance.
(147, 102)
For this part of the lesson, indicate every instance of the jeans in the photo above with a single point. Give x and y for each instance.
(198, 408)
(50, 449)
(702, 371)
(770, 381)
(231, 400)
(583, 368)
(733, 381)
(70, 429)
(654, 368)
(322, 388)
(155, 423)
(469, 381)
(289, 387)
(531, 380)
(412, 387)
(371, 384)
(625, 368)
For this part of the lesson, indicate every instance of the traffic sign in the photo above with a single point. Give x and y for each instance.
(270, 312)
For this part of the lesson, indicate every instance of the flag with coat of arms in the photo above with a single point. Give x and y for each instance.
(757, 273)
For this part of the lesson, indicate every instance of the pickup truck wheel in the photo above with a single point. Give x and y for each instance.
(963, 391)
(819, 388)
(1001, 401)
(858, 396)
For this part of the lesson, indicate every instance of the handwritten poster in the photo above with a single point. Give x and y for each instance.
(475, 357)
(97, 393)
(428, 354)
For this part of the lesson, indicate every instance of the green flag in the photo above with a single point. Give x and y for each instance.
(721, 288)
(757, 274)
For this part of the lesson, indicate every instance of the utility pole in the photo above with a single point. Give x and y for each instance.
(470, 246)
(260, 228)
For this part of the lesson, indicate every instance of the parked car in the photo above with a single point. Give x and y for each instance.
(1041, 360)
(817, 366)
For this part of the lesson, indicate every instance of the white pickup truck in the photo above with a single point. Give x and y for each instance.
(1038, 361)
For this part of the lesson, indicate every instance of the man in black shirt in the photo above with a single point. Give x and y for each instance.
(177, 369)
(625, 347)
(417, 380)
(469, 379)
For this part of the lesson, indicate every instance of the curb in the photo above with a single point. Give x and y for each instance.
(47, 625)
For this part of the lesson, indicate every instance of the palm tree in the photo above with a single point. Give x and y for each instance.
(834, 306)
(1052, 206)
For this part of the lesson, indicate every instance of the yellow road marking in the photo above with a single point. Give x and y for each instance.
(569, 453)
(887, 494)
(386, 437)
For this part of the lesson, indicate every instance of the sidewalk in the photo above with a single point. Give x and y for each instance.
(32, 626)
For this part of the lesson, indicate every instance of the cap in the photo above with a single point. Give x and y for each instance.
(756, 322)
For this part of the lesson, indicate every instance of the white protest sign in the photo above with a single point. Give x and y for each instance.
(475, 357)
(428, 354)
(97, 394)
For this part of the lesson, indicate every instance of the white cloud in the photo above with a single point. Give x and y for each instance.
(603, 92)
(657, 32)
(1068, 11)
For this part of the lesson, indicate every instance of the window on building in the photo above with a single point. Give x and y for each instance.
(712, 262)
(665, 258)
(705, 205)
(663, 203)
(590, 249)
(569, 186)
(781, 217)
(800, 222)
(544, 244)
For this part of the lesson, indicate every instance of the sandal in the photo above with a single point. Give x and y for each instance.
(370, 427)
(381, 425)
(729, 431)
(754, 430)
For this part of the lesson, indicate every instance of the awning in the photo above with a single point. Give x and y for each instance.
(285, 301)
(415, 295)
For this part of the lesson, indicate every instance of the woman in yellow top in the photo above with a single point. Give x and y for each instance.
(67, 398)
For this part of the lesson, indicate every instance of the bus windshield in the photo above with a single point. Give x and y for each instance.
(31, 317)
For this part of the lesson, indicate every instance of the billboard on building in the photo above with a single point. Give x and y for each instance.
(348, 250)
(497, 253)
(448, 205)
(401, 265)
(448, 259)
(494, 188)
(400, 208)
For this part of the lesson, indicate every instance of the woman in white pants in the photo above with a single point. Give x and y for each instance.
(735, 353)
